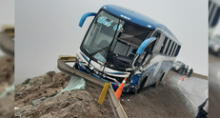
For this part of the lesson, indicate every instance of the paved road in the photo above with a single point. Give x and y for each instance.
(214, 86)
(194, 89)
(174, 98)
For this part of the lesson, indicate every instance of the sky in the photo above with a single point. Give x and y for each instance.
(6, 14)
(46, 29)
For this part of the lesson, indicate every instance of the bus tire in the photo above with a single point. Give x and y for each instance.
(135, 90)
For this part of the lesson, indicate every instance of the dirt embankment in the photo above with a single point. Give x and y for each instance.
(6, 89)
(41, 97)
(6, 70)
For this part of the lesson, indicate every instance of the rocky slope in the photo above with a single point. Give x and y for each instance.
(41, 97)
(6, 87)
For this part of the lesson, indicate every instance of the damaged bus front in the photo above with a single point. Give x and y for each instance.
(121, 44)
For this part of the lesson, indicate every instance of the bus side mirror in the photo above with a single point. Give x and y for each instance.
(141, 49)
(144, 45)
(84, 17)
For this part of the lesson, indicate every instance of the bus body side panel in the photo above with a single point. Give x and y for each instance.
(165, 68)
(158, 65)
(151, 79)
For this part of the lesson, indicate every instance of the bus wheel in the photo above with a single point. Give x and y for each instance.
(135, 90)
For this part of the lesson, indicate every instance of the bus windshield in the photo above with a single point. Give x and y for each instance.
(100, 36)
(113, 41)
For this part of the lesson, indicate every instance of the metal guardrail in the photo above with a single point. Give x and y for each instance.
(61, 63)
(197, 75)
(117, 108)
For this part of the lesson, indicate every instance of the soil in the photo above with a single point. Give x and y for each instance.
(7, 106)
(38, 98)
(6, 73)
(6, 80)
(6, 70)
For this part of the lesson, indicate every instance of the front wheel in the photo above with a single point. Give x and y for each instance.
(135, 90)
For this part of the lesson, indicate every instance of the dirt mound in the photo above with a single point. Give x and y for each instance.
(6, 88)
(38, 87)
(7, 106)
(77, 104)
(6, 73)
(41, 97)
(6, 69)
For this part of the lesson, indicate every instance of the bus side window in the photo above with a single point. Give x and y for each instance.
(151, 47)
(163, 46)
(174, 50)
(177, 51)
(168, 47)
(171, 48)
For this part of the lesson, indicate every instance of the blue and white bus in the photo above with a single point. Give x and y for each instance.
(121, 43)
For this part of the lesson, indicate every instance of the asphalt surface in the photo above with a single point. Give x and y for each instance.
(169, 100)
(194, 89)
(214, 86)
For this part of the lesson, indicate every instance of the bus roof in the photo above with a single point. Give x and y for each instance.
(137, 18)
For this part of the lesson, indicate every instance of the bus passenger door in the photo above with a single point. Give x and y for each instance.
(156, 60)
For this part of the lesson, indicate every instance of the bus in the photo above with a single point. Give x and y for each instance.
(121, 43)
